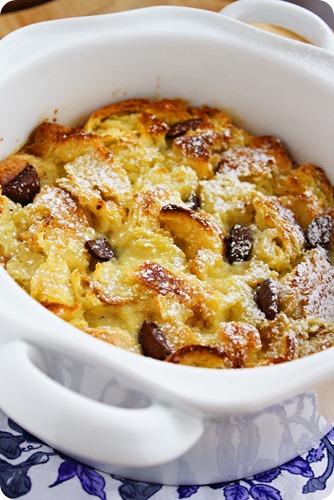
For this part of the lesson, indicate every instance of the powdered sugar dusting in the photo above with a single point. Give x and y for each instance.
(130, 183)
(193, 146)
(92, 172)
(309, 289)
(245, 161)
(63, 209)
(163, 281)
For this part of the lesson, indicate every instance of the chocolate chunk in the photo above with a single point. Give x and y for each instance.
(153, 341)
(319, 232)
(100, 249)
(23, 188)
(240, 243)
(181, 128)
(267, 298)
(193, 202)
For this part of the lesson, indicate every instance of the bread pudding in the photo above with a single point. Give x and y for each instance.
(166, 230)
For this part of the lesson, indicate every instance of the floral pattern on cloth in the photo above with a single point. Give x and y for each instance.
(33, 471)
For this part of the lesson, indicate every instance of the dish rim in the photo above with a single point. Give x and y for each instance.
(194, 379)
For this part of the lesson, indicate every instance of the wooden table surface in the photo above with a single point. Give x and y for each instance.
(56, 9)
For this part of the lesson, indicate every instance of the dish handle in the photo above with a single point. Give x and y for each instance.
(87, 429)
(285, 15)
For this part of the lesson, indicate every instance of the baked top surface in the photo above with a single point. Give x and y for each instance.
(166, 230)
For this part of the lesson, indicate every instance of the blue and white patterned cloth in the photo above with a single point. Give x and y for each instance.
(33, 471)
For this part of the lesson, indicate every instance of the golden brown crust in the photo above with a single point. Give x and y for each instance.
(182, 222)
(62, 144)
(279, 341)
(201, 356)
(10, 168)
(119, 108)
(272, 146)
(308, 291)
(165, 185)
(307, 191)
(241, 343)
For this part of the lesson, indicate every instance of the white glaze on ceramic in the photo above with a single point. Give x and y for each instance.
(181, 425)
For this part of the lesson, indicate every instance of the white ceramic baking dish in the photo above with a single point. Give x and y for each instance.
(118, 411)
